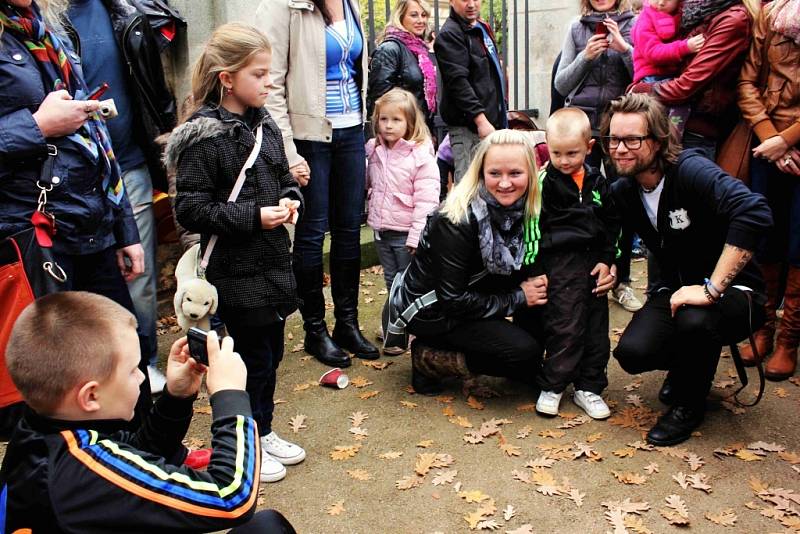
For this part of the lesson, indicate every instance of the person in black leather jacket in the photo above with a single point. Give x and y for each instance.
(403, 59)
(472, 254)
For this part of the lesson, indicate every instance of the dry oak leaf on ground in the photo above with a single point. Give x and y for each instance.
(444, 477)
(584, 449)
(540, 462)
(627, 452)
(368, 395)
(555, 434)
(676, 511)
(506, 447)
(474, 403)
(408, 404)
(408, 482)
(359, 474)
(488, 524)
(695, 462)
(630, 478)
(766, 447)
(336, 508)
(448, 411)
(461, 421)
(473, 496)
(473, 437)
(359, 433)
(524, 432)
(573, 422)
(425, 443)
(358, 418)
(297, 423)
(597, 436)
(343, 452)
(390, 455)
(509, 512)
(791, 457)
(576, 496)
(360, 382)
(651, 468)
(378, 366)
(627, 506)
(726, 518)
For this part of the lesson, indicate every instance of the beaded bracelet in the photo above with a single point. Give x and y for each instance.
(708, 294)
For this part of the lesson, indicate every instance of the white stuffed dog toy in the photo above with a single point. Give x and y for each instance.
(195, 299)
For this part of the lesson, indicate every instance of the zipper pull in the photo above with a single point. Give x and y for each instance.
(580, 197)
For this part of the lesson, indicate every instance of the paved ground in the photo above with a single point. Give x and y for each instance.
(426, 432)
(526, 473)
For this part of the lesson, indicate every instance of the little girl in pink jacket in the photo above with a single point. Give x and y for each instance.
(402, 180)
(656, 55)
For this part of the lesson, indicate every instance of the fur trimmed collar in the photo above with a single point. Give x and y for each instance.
(190, 133)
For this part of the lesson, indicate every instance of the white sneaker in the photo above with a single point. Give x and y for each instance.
(548, 402)
(623, 294)
(271, 469)
(281, 450)
(592, 403)
(157, 379)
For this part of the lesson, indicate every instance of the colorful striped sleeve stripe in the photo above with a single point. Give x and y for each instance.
(132, 473)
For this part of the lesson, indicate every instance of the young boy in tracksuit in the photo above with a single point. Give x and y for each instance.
(70, 465)
(577, 234)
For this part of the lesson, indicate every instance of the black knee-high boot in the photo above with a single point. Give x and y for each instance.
(345, 278)
(318, 342)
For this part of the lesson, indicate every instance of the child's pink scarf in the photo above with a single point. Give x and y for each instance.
(418, 47)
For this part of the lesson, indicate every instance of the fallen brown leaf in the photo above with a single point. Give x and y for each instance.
(748, 456)
(594, 437)
(524, 432)
(359, 474)
(446, 399)
(726, 518)
(509, 512)
(461, 421)
(488, 524)
(408, 404)
(576, 496)
(627, 452)
(630, 478)
(425, 443)
(390, 455)
(473, 437)
(676, 512)
(542, 462)
(343, 452)
(555, 434)
(358, 418)
(444, 477)
(375, 364)
(526, 408)
(448, 411)
(407, 482)
(360, 382)
(297, 348)
(368, 395)
(474, 403)
(301, 387)
(473, 496)
(297, 423)
(651, 468)
(336, 508)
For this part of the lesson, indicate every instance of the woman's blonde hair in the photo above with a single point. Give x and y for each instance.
(398, 12)
(230, 48)
(456, 206)
(416, 129)
(621, 5)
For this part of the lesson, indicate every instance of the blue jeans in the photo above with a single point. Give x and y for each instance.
(782, 242)
(143, 290)
(392, 253)
(334, 197)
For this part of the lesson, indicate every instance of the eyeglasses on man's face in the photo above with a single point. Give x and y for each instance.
(633, 142)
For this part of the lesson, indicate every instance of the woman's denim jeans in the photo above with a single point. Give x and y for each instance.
(334, 197)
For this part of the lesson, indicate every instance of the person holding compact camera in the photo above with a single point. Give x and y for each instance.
(56, 157)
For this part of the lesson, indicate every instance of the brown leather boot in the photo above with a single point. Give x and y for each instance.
(430, 366)
(765, 335)
(784, 360)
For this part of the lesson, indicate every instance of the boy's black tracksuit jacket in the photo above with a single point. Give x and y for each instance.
(89, 476)
(576, 230)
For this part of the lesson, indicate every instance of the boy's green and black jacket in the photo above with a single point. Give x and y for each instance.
(572, 220)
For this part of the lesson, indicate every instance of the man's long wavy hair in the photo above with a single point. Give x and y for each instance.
(659, 127)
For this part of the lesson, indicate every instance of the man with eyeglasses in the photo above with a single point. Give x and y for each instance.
(702, 226)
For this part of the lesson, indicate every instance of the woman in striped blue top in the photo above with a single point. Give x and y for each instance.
(319, 71)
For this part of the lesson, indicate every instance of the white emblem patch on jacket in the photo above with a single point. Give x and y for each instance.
(679, 219)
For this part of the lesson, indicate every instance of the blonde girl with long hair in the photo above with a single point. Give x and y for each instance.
(250, 264)
(475, 256)
(402, 182)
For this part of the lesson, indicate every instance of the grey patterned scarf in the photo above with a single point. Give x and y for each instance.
(500, 234)
(696, 11)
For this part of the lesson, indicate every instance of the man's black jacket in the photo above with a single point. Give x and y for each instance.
(701, 209)
(470, 83)
(155, 111)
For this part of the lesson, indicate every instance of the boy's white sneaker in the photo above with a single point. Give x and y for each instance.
(592, 403)
(281, 450)
(271, 469)
(548, 402)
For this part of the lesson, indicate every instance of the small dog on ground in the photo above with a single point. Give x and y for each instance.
(195, 298)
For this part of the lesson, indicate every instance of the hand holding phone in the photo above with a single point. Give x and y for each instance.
(601, 29)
